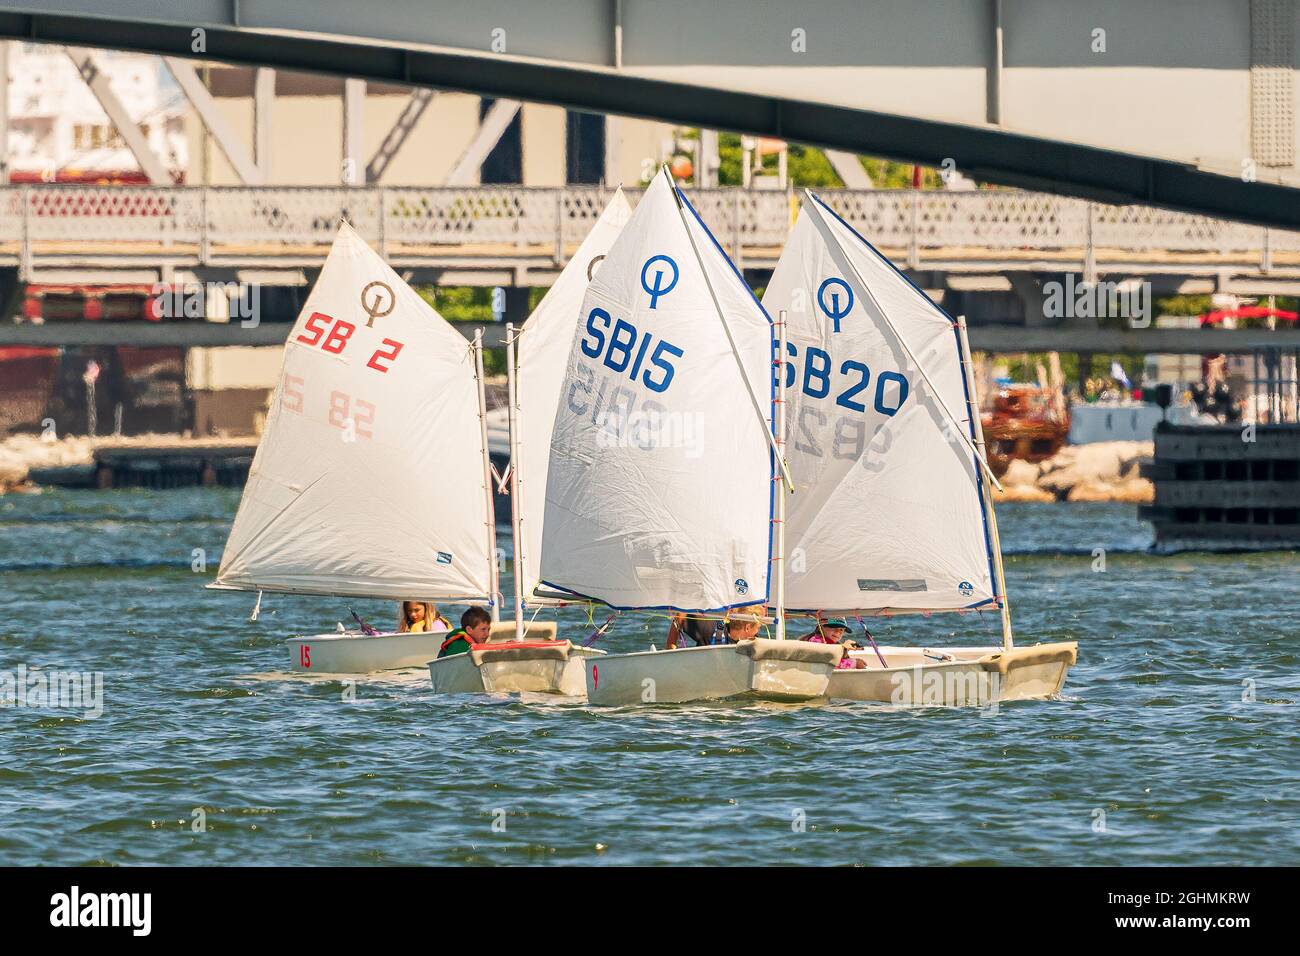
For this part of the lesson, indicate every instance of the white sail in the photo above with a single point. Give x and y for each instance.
(368, 481)
(659, 492)
(544, 347)
(888, 508)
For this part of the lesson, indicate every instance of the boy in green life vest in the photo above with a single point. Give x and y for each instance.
(475, 626)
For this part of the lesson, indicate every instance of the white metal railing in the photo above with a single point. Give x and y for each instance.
(281, 220)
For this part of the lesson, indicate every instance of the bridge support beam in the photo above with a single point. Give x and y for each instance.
(239, 155)
(988, 153)
(354, 107)
(848, 168)
(4, 112)
(396, 136)
(489, 133)
(97, 80)
(263, 104)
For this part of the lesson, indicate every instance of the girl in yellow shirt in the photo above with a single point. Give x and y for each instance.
(418, 617)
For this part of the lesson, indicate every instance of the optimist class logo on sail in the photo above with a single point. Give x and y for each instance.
(831, 289)
(656, 290)
(838, 405)
(615, 351)
(624, 351)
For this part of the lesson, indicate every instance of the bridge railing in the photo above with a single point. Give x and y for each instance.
(505, 220)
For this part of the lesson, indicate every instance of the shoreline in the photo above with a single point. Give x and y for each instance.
(1105, 471)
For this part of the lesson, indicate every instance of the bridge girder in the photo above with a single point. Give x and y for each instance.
(577, 61)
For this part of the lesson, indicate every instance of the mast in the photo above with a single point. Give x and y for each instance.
(516, 516)
(494, 583)
(995, 544)
(779, 428)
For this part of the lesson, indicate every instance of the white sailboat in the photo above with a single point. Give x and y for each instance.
(535, 661)
(662, 463)
(372, 478)
(892, 512)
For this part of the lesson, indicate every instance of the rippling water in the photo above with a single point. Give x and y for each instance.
(1156, 736)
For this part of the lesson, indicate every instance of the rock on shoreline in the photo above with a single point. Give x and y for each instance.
(1105, 471)
(21, 453)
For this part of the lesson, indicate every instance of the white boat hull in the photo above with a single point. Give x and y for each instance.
(788, 671)
(973, 677)
(359, 654)
(508, 668)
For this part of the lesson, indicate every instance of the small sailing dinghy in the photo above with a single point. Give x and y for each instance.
(660, 494)
(534, 383)
(892, 512)
(372, 478)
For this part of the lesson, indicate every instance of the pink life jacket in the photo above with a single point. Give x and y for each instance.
(846, 663)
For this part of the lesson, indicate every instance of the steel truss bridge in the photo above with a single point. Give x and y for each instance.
(521, 237)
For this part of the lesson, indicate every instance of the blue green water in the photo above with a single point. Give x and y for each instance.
(1175, 740)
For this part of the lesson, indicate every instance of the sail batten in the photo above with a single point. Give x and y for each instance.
(888, 514)
(368, 480)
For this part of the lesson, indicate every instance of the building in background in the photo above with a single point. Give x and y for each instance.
(59, 132)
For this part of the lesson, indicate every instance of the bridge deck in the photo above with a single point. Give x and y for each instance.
(69, 253)
(521, 228)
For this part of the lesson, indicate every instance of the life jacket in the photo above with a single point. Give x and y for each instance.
(457, 635)
(701, 631)
(846, 663)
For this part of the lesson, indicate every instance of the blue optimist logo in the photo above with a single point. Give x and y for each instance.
(840, 302)
(444, 557)
(658, 288)
(742, 586)
(966, 589)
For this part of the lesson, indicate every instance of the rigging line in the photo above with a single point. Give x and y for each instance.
(599, 632)
(872, 640)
